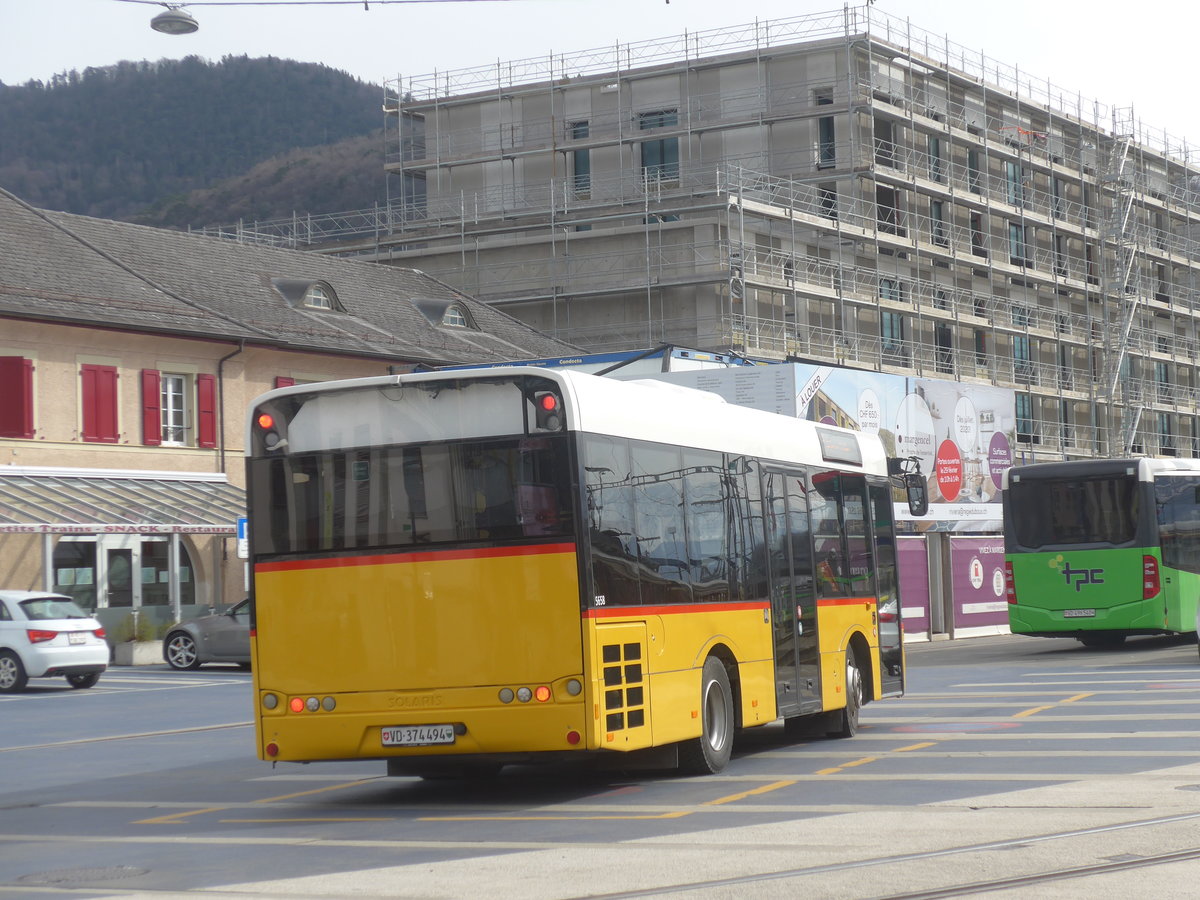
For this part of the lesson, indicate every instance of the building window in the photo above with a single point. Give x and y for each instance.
(1017, 249)
(174, 408)
(1022, 358)
(978, 243)
(581, 160)
(660, 158)
(828, 201)
(941, 299)
(973, 173)
(98, 393)
(887, 207)
(1059, 188)
(454, 317)
(1024, 411)
(319, 296)
(1166, 438)
(885, 143)
(937, 222)
(891, 330)
(890, 289)
(981, 356)
(173, 404)
(1060, 255)
(936, 165)
(944, 340)
(16, 397)
(1012, 182)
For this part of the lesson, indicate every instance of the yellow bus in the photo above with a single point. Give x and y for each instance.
(454, 571)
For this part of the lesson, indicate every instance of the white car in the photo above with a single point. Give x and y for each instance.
(44, 634)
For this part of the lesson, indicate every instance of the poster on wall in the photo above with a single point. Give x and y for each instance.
(963, 435)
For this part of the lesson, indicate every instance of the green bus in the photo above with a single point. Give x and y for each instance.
(1101, 549)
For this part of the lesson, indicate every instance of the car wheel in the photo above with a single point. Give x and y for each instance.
(847, 719)
(83, 681)
(709, 753)
(180, 651)
(12, 673)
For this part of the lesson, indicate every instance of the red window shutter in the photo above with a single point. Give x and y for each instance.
(151, 407)
(284, 381)
(99, 403)
(16, 397)
(206, 410)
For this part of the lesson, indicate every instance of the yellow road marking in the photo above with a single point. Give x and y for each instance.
(744, 794)
(174, 818)
(669, 815)
(1078, 697)
(921, 746)
(313, 819)
(1034, 711)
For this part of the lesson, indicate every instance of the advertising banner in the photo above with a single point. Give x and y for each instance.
(963, 435)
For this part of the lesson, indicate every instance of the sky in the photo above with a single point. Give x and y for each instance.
(1102, 50)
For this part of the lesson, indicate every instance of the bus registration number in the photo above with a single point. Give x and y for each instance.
(1079, 614)
(417, 735)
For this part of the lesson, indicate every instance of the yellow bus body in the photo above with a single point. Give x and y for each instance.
(420, 638)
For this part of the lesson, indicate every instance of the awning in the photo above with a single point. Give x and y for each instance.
(45, 500)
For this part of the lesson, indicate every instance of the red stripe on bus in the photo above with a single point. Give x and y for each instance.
(846, 601)
(605, 612)
(293, 565)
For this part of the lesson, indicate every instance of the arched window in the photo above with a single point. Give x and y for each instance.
(454, 317)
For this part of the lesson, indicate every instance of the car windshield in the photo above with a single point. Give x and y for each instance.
(42, 608)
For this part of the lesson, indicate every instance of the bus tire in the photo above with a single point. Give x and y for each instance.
(709, 753)
(847, 718)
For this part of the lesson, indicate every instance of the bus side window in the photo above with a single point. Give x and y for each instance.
(612, 543)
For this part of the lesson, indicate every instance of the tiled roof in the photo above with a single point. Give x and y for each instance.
(62, 267)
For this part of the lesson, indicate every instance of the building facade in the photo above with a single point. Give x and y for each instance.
(842, 188)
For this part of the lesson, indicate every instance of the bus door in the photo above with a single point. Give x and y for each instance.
(793, 602)
(887, 589)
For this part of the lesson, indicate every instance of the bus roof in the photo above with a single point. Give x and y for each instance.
(659, 412)
(1144, 467)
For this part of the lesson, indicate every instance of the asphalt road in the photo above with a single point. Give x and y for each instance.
(1012, 767)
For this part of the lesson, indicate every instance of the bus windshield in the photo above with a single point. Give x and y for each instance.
(1076, 511)
(380, 497)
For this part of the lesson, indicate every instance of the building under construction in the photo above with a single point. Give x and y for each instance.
(841, 188)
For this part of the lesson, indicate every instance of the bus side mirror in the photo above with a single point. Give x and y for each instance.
(918, 495)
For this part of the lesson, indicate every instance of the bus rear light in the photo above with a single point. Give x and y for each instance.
(312, 704)
(297, 704)
(270, 701)
(507, 695)
(573, 738)
(1150, 583)
(272, 749)
(524, 694)
(541, 693)
(1010, 584)
(574, 687)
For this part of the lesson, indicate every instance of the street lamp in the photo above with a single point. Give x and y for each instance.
(174, 20)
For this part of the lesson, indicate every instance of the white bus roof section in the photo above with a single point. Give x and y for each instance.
(647, 410)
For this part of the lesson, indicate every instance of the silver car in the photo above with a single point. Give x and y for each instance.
(220, 637)
(43, 634)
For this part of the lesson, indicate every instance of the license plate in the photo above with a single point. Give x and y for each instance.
(76, 637)
(417, 735)
(1079, 614)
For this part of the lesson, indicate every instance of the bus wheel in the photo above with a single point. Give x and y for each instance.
(1101, 640)
(847, 719)
(709, 753)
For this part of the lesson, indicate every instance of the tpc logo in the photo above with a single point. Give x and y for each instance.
(1077, 577)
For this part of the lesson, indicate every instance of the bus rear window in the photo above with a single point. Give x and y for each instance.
(1085, 511)
(376, 498)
